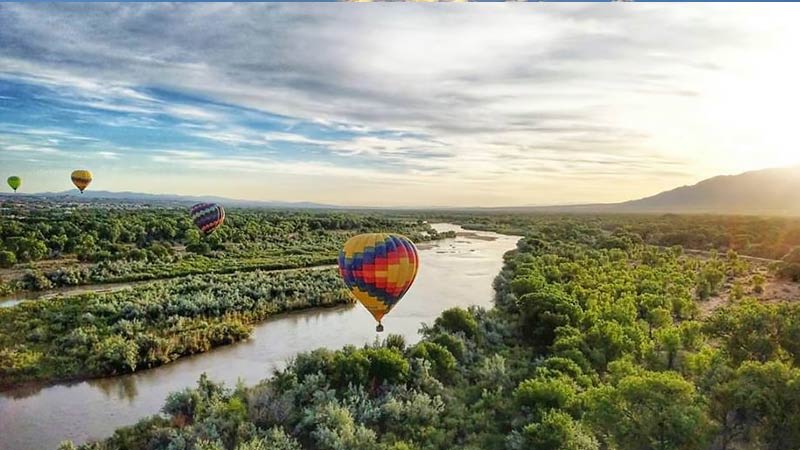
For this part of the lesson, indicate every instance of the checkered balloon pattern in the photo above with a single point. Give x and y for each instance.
(207, 216)
(379, 268)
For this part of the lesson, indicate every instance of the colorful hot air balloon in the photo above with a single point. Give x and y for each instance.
(207, 216)
(378, 268)
(81, 179)
(15, 182)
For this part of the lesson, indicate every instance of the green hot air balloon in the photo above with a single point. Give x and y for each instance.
(15, 182)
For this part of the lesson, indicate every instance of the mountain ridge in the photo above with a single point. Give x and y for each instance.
(773, 191)
(143, 197)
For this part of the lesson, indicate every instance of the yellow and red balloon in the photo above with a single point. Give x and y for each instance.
(81, 179)
(379, 268)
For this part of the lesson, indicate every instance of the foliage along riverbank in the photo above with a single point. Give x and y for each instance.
(589, 347)
(45, 246)
(94, 335)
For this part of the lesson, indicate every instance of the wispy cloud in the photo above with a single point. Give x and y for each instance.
(503, 103)
(108, 155)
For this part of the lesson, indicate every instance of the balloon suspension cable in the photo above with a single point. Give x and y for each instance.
(379, 328)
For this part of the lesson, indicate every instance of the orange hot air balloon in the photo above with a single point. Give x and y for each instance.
(379, 268)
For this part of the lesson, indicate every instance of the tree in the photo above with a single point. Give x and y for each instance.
(115, 354)
(790, 265)
(606, 341)
(443, 363)
(335, 429)
(669, 341)
(748, 330)
(541, 395)
(387, 365)
(654, 410)
(200, 248)
(769, 395)
(544, 311)
(457, 320)
(276, 439)
(709, 280)
(7, 259)
(556, 431)
(758, 283)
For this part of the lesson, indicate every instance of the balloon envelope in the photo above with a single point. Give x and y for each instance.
(207, 216)
(15, 182)
(81, 179)
(379, 268)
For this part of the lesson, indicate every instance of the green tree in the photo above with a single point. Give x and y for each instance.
(653, 410)
(115, 354)
(443, 363)
(545, 311)
(7, 259)
(758, 283)
(457, 320)
(540, 395)
(769, 396)
(748, 330)
(556, 431)
(387, 365)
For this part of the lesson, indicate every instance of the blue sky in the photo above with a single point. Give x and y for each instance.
(395, 105)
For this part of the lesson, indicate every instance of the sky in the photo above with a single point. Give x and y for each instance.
(397, 104)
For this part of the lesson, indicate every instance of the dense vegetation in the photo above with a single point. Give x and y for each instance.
(46, 246)
(596, 342)
(775, 238)
(149, 325)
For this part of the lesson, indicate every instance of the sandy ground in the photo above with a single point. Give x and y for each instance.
(775, 291)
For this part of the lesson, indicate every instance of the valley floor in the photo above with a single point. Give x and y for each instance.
(589, 346)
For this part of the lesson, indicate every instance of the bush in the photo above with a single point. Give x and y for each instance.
(457, 320)
(442, 361)
(7, 259)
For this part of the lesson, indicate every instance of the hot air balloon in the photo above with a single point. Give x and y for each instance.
(81, 179)
(207, 216)
(378, 268)
(15, 182)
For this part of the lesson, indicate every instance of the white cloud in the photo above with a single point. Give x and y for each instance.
(108, 155)
(186, 154)
(521, 96)
(31, 149)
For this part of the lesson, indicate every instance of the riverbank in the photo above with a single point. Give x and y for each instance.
(119, 343)
(81, 277)
(453, 272)
(105, 288)
(104, 334)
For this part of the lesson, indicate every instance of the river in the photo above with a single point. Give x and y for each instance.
(453, 272)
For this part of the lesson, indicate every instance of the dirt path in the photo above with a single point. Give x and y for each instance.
(707, 254)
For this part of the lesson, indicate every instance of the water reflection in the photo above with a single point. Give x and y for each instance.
(123, 388)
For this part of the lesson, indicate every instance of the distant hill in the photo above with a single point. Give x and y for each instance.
(164, 199)
(767, 192)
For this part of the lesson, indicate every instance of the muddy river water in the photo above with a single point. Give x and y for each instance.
(453, 272)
